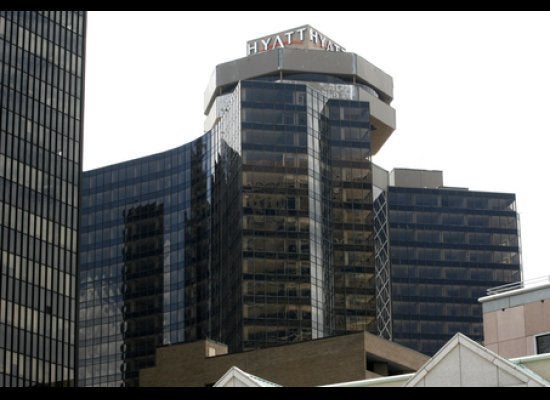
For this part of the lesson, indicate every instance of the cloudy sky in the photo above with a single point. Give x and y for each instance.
(471, 91)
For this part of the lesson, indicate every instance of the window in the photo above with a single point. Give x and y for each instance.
(543, 343)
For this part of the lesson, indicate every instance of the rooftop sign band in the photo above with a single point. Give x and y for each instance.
(304, 37)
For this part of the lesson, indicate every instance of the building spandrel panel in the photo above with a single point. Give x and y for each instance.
(444, 257)
(41, 86)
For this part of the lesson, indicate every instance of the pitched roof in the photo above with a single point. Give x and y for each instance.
(235, 377)
(463, 362)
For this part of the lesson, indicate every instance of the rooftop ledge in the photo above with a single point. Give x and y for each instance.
(516, 288)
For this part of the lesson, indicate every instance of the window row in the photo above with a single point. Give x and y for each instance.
(278, 94)
(448, 219)
(361, 217)
(37, 345)
(275, 266)
(277, 311)
(38, 250)
(177, 168)
(272, 179)
(40, 228)
(276, 245)
(454, 237)
(41, 300)
(472, 275)
(39, 275)
(275, 223)
(32, 44)
(48, 117)
(284, 288)
(72, 20)
(273, 117)
(17, 316)
(437, 254)
(31, 370)
(37, 203)
(275, 201)
(348, 110)
(34, 22)
(275, 159)
(437, 327)
(43, 82)
(464, 201)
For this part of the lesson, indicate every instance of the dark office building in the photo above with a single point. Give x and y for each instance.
(41, 97)
(307, 252)
(448, 245)
(259, 233)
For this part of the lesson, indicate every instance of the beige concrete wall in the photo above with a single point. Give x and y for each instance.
(416, 178)
(510, 332)
(305, 364)
(312, 363)
(214, 348)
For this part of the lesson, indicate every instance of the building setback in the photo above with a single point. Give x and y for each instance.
(448, 246)
(41, 97)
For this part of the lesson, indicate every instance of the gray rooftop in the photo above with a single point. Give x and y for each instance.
(283, 61)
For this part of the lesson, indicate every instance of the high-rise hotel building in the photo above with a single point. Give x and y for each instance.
(274, 226)
(258, 233)
(41, 97)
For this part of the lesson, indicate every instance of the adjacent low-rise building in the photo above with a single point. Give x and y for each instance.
(317, 362)
(461, 362)
(516, 318)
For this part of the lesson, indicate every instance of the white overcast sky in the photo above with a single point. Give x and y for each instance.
(471, 91)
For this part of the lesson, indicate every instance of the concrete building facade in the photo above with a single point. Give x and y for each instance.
(516, 318)
(316, 362)
(462, 362)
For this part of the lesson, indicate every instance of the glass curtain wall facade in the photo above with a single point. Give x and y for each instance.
(307, 259)
(258, 233)
(447, 247)
(41, 97)
(133, 236)
(142, 282)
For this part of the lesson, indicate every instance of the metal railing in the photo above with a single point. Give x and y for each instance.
(519, 285)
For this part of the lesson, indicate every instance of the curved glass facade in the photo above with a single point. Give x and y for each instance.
(132, 245)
